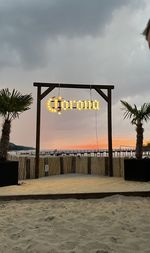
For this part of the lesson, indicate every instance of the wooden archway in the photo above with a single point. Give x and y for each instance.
(50, 86)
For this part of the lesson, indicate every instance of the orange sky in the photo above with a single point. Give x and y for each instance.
(117, 143)
(124, 142)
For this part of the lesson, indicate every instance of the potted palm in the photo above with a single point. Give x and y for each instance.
(12, 104)
(138, 168)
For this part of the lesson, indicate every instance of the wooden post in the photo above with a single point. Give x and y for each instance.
(38, 123)
(50, 87)
(110, 161)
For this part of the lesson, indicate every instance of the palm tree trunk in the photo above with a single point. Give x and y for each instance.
(139, 141)
(4, 143)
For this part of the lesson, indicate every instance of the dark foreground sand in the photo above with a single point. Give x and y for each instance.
(111, 225)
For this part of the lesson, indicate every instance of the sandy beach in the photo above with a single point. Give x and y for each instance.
(73, 183)
(114, 224)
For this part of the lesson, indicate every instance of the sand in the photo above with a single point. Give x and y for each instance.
(114, 224)
(74, 183)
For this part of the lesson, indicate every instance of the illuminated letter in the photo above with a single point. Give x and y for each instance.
(49, 106)
(74, 104)
(85, 105)
(70, 104)
(55, 104)
(96, 105)
(64, 105)
(59, 105)
(89, 105)
(80, 105)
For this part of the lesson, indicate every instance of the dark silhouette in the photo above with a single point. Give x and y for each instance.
(12, 104)
(137, 116)
(146, 33)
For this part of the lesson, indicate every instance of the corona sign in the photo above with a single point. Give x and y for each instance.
(58, 105)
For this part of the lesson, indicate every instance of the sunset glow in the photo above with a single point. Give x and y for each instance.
(117, 143)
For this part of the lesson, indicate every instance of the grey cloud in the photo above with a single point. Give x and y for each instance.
(25, 26)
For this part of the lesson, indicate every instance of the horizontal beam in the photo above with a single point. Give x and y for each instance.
(74, 86)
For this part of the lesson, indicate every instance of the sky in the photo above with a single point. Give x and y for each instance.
(76, 41)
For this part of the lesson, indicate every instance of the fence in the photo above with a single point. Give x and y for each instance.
(67, 164)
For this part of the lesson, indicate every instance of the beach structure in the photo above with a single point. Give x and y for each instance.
(98, 88)
(57, 162)
(50, 165)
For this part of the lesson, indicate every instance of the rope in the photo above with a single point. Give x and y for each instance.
(59, 90)
(59, 110)
(96, 121)
(90, 93)
(96, 130)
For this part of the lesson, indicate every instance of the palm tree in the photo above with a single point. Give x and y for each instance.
(146, 32)
(12, 104)
(137, 117)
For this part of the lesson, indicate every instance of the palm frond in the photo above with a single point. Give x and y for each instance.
(137, 115)
(145, 112)
(129, 111)
(13, 103)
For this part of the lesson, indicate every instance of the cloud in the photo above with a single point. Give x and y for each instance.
(74, 41)
(27, 26)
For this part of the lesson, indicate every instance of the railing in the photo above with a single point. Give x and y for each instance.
(126, 152)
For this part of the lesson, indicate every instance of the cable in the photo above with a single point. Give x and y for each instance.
(96, 122)
(90, 93)
(59, 99)
(96, 130)
(59, 90)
